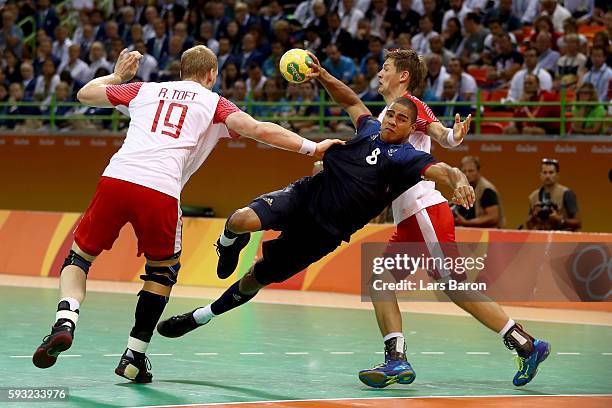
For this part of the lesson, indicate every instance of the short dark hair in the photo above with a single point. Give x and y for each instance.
(472, 159)
(410, 105)
(551, 162)
(474, 17)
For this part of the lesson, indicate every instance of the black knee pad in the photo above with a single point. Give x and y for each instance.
(75, 259)
(164, 275)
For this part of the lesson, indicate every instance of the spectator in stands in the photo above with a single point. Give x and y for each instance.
(62, 96)
(527, 10)
(3, 95)
(136, 34)
(361, 40)
(128, 20)
(244, 19)
(255, 80)
(282, 32)
(274, 12)
(180, 30)
(487, 211)
(158, 45)
(16, 95)
(78, 69)
(495, 30)
(436, 75)
(148, 66)
(97, 22)
(338, 65)
(28, 82)
(473, 44)
(571, 62)
(250, 54)
(232, 32)
(375, 47)
(600, 73)
(313, 41)
(435, 13)
(507, 60)
(371, 75)
(229, 75)
(12, 35)
(111, 30)
(46, 83)
(557, 13)
(46, 18)
(270, 65)
(207, 37)
(86, 42)
(450, 93)
(225, 53)
(531, 67)
(544, 23)
(457, 10)
(43, 53)
(552, 206)
(59, 47)
(403, 41)
(420, 42)
(272, 92)
(570, 27)
(77, 34)
(173, 7)
(452, 35)
(349, 16)
(407, 21)
(303, 95)
(336, 34)
(436, 45)
(175, 50)
(97, 56)
(173, 73)
(383, 18)
(151, 15)
(532, 93)
(509, 21)
(594, 115)
(601, 40)
(547, 57)
(239, 94)
(580, 9)
(466, 82)
(10, 67)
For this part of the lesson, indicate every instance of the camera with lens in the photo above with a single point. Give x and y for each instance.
(546, 206)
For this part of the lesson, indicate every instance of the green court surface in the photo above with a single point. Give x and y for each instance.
(265, 352)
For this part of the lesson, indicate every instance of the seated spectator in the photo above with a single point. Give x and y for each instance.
(361, 86)
(450, 93)
(473, 44)
(383, 18)
(557, 13)
(11, 35)
(16, 96)
(595, 114)
(504, 15)
(467, 83)
(436, 45)
(420, 42)
(600, 73)
(487, 211)
(507, 60)
(62, 96)
(78, 69)
(338, 65)
(249, 54)
(571, 28)
(151, 15)
(531, 67)
(407, 21)
(43, 53)
(127, 21)
(46, 17)
(255, 81)
(111, 30)
(457, 10)
(580, 9)
(336, 34)
(544, 24)
(270, 65)
(46, 83)
(229, 75)
(3, 94)
(313, 41)
(97, 58)
(436, 75)
(136, 34)
(207, 36)
(349, 16)
(159, 44)
(552, 206)
(547, 57)
(88, 40)
(403, 41)
(59, 47)
(495, 30)
(453, 36)
(375, 47)
(371, 75)
(173, 73)
(148, 66)
(307, 95)
(434, 10)
(571, 62)
(175, 50)
(272, 92)
(239, 94)
(28, 81)
(10, 67)
(361, 40)
(274, 12)
(532, 93)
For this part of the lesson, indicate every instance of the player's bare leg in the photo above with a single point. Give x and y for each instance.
(73, 281)
(159, 278)
(235, 236)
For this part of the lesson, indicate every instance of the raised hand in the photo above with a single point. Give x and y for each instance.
(127, 64)
(322, 146)
(461, 129)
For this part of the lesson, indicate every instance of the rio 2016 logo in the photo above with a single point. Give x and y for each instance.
(591, 269)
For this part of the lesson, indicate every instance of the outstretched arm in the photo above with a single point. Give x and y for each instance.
(339, 91)
(448, 137)
(275, 135)
(94, 92)
(463, 193)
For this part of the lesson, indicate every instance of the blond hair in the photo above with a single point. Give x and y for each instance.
(197, 61)
(409, 60)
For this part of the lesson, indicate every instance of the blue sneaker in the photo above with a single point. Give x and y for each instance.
(528, 366)
(390, 372)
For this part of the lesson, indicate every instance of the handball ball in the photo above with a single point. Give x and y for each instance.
(294, 65)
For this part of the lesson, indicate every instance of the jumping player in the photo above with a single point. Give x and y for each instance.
(174, 126)
(422, 214)
(315, 214)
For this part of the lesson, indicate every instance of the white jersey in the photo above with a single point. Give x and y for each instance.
(423, 194)
(174, 126)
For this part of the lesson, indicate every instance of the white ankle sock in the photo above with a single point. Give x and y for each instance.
(225, 241)
(507, 327)
(137, 345)
(203, 314)
(71, 314)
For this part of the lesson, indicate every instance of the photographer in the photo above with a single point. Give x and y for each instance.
(553, 206)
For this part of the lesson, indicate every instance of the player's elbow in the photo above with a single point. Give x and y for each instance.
(85, 96)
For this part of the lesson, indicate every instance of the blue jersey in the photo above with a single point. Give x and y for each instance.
(362, 178)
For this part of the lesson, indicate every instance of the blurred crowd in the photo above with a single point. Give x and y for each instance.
(514, 50)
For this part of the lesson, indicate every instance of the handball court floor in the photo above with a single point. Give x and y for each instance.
(298, 350)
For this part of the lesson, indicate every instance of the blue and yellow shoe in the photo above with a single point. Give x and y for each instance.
(390, 372)
(528, 366)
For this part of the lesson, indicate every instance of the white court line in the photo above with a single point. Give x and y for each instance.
(160, 354)
(432, 352)
(606, 354)
(70, 355)
(379, 352)
(206, 354)
(478, 353)
(296, 353)
(112, 355)
(567, 354)
(212, 404)
(341, 352)
(251, 354)
(20, 356)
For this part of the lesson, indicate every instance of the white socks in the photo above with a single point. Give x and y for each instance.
(399, 344)
(137, 345)
(72, 314)
(203, 315)
(225, 241)
(507, 327)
